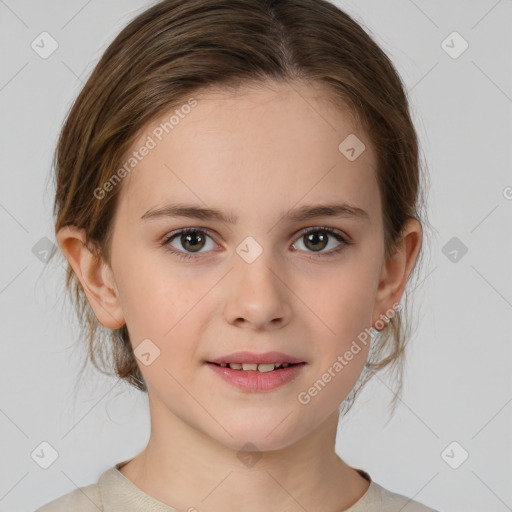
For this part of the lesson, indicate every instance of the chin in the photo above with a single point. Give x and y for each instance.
(260, 436)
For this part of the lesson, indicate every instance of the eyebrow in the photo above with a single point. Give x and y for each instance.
(295, 215)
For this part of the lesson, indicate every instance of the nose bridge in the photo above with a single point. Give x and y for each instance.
(255, 264)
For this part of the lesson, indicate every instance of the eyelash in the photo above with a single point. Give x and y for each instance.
(344, 242)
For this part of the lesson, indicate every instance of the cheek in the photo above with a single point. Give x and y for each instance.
(155, 293)
(344, 335)
(346, 307)
(163, 304)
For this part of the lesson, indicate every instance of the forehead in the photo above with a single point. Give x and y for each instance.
(251, 149)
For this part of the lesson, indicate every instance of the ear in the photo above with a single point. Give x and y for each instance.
(396, 270)
(94, 274)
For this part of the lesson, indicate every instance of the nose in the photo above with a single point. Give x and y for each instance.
(257, 295)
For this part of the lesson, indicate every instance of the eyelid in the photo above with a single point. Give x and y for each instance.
(192, 229)
(330, 230)
(299, 233)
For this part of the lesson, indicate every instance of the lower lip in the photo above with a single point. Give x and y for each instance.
(253, 380)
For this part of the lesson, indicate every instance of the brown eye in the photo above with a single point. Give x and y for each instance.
(316, 241)
(192, 241)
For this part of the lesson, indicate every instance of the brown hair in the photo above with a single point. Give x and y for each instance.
(179, 47)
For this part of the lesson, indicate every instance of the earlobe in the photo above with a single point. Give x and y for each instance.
(396, 270)
(94, 274)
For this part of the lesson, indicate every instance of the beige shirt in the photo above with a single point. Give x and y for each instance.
(115, 493)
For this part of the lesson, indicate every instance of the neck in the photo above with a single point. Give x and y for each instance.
(187, 469)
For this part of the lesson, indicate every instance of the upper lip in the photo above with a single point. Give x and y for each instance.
(254, 357)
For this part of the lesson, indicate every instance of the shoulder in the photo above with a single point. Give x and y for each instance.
(83, 499)
(393, 502)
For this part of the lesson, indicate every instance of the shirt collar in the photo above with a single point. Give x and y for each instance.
(120, 494)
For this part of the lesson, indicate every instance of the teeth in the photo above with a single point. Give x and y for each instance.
(263, 367)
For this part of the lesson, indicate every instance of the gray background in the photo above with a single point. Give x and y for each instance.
(458, 384)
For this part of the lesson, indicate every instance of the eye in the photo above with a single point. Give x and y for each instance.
(192, 240)
(318, 238)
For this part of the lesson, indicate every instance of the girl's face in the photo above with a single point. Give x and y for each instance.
(267, 160)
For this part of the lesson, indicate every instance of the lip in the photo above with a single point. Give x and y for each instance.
(254, 357)
(254, 380)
